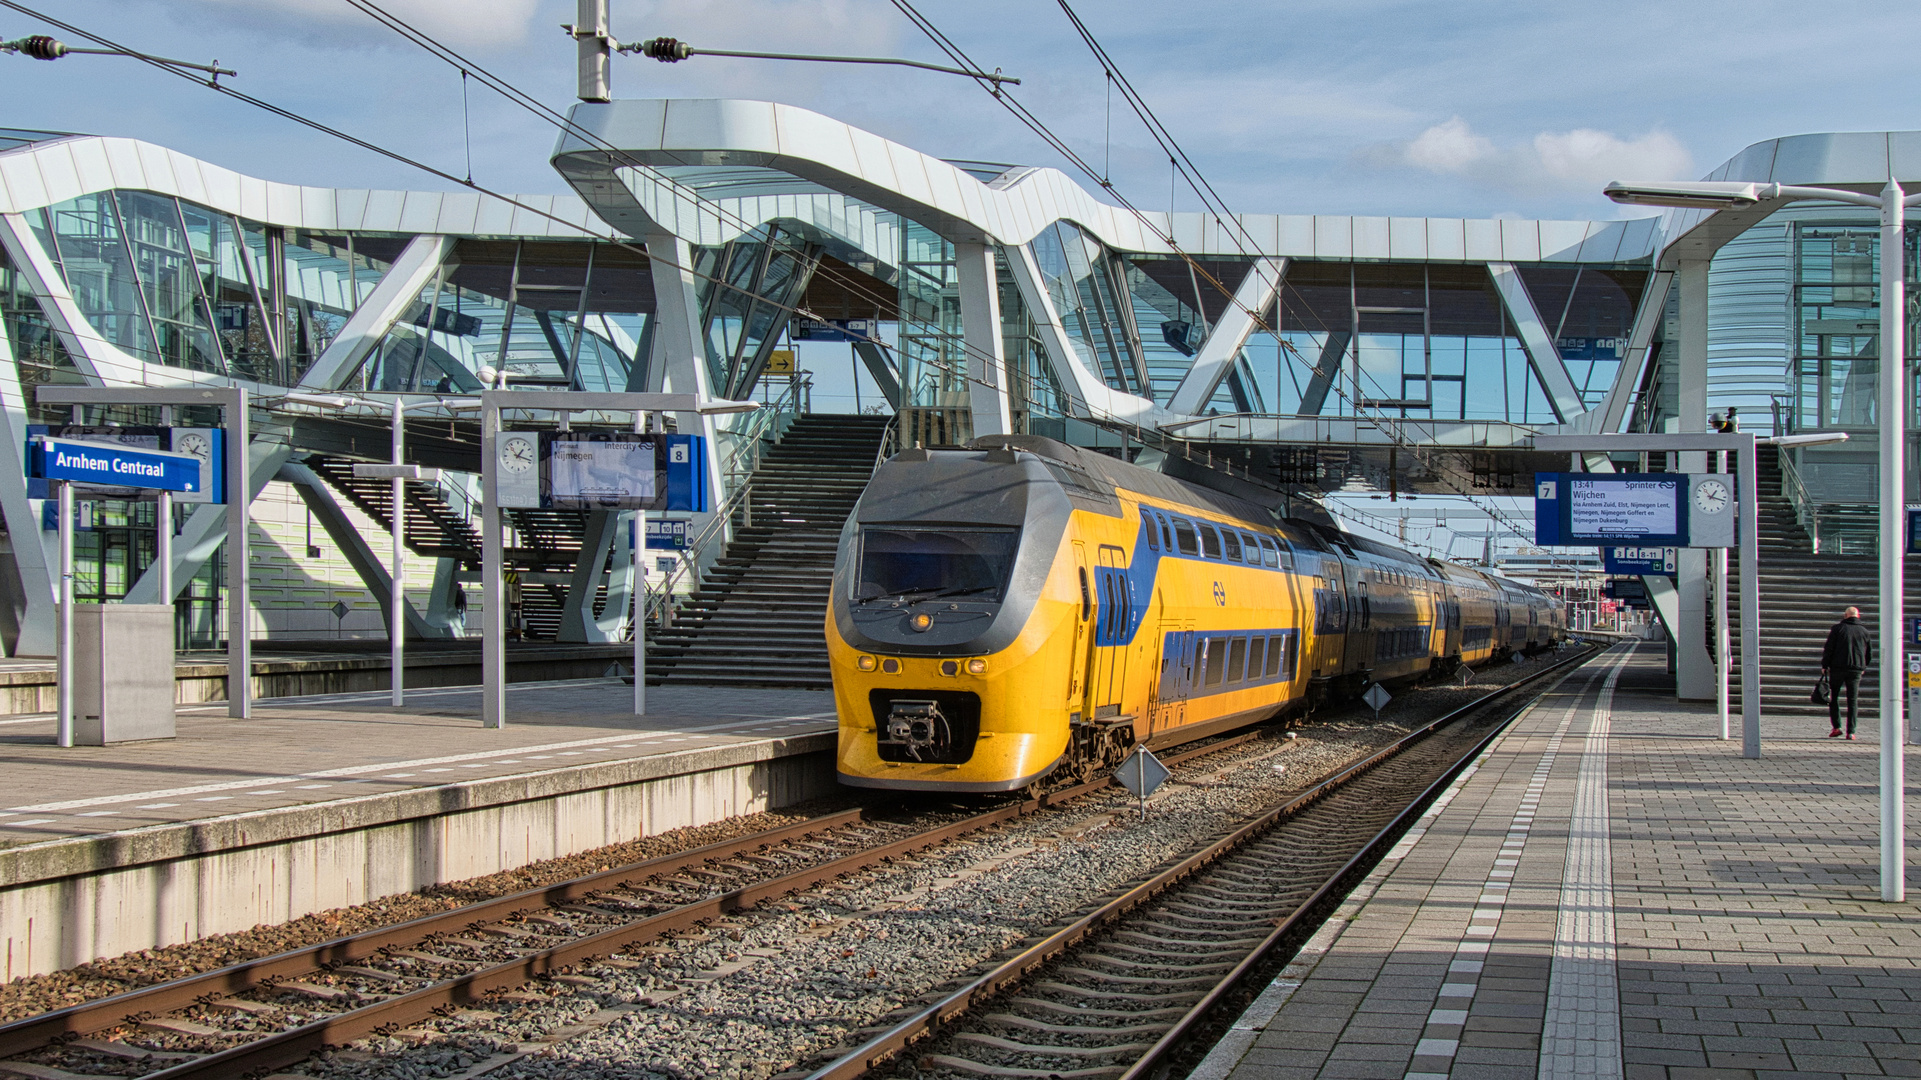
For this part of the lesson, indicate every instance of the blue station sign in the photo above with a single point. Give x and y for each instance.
(112, 465)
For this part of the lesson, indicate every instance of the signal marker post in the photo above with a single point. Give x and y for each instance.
(1140, 774)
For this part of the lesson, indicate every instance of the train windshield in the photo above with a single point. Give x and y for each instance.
(921, 564)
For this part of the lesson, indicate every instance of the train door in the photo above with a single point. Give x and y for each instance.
(1176, 676)
(1077, 678)
(1113, 616)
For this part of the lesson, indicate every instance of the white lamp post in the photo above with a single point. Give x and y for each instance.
(1892, 204)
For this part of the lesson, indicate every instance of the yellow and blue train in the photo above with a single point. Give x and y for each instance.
(1022, 609)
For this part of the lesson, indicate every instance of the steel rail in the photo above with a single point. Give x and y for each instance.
(32, 1033)
(886, 1045)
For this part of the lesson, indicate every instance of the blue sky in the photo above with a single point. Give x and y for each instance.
(1357, 106)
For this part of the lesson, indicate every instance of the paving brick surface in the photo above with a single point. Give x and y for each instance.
(1746, 934)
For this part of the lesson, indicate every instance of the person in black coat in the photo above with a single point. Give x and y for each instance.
(1848, 653)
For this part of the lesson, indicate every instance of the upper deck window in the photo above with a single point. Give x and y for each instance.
(1185, 536)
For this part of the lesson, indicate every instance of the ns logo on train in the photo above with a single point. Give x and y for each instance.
(1021, 609)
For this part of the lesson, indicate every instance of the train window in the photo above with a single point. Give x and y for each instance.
(1277, 646)
(1184, 535)
(1214, 660)
(1210, 541)
(1269, 553)
(1237, 660)
(908, 561)
(1252, 548)
(1167, 535)
(1152, 530)
(1232, 540)
(1256, 656)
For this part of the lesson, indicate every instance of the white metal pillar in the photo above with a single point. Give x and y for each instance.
(239, 489)
(63, 686)
(985, 362)
(493, 593)
(1894, 501)
(1695, 676)
(397, 582)
(1748, 501)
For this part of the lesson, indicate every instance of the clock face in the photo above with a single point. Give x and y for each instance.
(195, 445)
(517, 455)
(1711, 497)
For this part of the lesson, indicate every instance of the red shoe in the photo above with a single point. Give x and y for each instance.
(1850, 738)
(1835, 734)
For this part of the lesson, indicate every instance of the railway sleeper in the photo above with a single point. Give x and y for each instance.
(1136, 980)
(1025, 1024)
(1072, 991)
(1154, 965)
(1164, 956)
(960, 1064)
(995, 1042)
(1079, 1012)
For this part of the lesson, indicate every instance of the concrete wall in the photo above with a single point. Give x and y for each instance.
(67, 902)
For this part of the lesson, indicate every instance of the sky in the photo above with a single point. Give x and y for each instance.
(1475, 109)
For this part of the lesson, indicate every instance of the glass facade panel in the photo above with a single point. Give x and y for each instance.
(1590, 313)
(170, 280)
(746, 291)
(1429, 341)
(1085, 283)
(1034, 391)
(92, 253)
(518, 307)
(933, 357)
(38, 355)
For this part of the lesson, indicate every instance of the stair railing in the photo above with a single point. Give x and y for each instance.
(888, 436)
(762, 430)
(1806, 514)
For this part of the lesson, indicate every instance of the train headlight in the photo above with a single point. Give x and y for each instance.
(949, 668)
(922, 622)
(977, 667)
(865, 663)
(890, 666)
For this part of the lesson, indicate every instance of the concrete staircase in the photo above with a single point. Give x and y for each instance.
(1802, 595)
(757, 618)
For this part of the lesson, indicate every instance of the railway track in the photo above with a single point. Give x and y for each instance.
(273, 1011)
(1118, 993)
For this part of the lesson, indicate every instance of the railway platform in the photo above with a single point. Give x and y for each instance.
(1612, 891)
(334, 800)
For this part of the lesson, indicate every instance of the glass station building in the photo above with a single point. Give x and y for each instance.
(1318, 352)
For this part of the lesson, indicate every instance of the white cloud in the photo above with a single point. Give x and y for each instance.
(1578, 160)
(1590, 157)
(1448, 147)
(462, 24)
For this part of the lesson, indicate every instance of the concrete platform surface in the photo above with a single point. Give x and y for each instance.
(1612, 891)
(329, 802)
(321, 749)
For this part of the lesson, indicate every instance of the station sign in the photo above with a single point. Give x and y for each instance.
(805, 329)
(1640, 560)
(113, 465)
(663, 534)
(1634, 509)
(601, 470)
(206, 444)
(779, 362)
(1914, 531)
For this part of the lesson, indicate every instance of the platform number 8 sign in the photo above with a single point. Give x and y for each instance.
(677, 453)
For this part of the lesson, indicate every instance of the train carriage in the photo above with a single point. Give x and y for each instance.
(1022, 609)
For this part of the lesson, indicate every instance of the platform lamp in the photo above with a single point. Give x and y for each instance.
(1892, 203)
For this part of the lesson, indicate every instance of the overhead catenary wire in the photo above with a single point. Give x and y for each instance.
(1205, 192)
